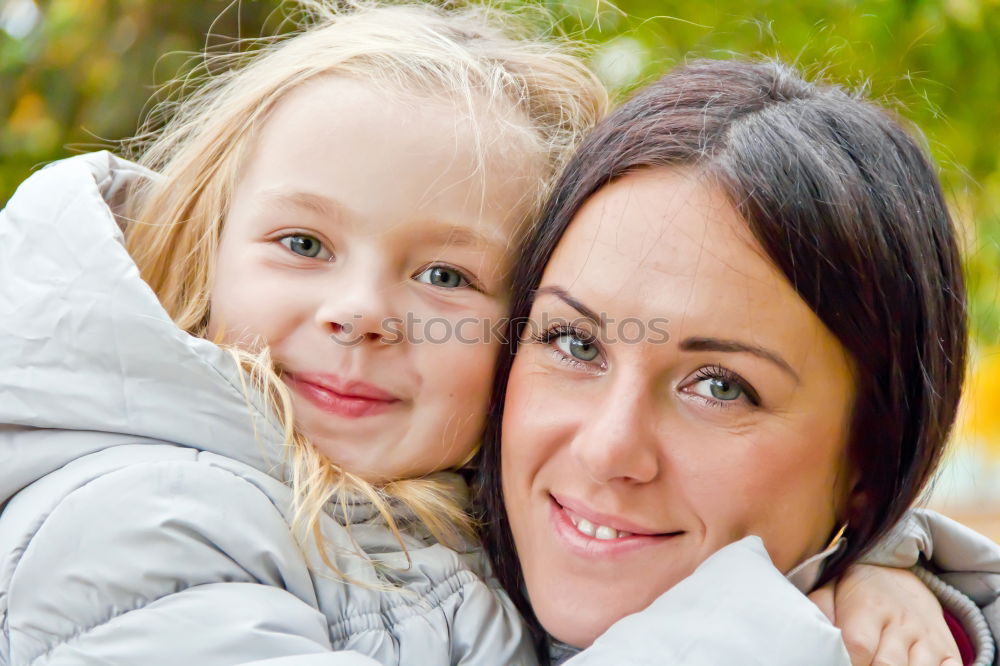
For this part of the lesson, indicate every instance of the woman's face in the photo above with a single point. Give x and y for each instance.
(677, 396)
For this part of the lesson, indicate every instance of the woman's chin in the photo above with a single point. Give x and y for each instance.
(576, 632)
(581, 621)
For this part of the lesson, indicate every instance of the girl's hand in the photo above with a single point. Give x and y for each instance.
(888, 617)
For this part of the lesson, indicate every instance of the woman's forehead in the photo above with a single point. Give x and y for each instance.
(661, 226)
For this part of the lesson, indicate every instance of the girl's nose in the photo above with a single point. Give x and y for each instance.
(356, 310)
(354, 330)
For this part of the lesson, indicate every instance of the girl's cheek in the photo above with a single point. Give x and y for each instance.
(254, 304)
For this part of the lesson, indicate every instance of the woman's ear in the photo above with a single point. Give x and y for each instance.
(856, 512)
(852, 498)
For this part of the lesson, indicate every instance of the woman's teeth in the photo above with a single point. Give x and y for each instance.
(603, 532)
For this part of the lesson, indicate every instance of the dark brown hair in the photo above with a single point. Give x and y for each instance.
(848, 206)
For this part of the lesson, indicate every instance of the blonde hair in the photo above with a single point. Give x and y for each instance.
(469, 54)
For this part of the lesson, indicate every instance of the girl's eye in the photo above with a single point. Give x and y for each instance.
(442, 276)
(305, 246)
(572, 345)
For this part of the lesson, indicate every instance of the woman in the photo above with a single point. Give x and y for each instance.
(743, 314)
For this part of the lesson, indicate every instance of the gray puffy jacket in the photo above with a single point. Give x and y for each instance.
(145, 517)
(144, 520)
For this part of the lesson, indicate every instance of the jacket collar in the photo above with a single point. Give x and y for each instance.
(805, 575)
(88, 347)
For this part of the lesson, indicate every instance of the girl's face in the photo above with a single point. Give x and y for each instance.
(361, 247)
(677, 397)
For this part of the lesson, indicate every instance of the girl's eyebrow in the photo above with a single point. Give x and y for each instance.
(316, 203)
(456, 235)
(429, 232)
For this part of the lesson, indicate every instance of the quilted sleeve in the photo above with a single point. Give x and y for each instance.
(736, 608)
(165, 562)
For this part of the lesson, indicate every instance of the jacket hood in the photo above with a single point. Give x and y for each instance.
(86, 346)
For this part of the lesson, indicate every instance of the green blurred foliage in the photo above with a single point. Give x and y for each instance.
(76, 75)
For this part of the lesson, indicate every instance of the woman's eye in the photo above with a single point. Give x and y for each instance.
(305, 246)
(723, 387)
(572, 345)
(441, 276)
(719, 389)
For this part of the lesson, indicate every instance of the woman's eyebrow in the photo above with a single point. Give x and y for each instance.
(716, 344)
(565, 297)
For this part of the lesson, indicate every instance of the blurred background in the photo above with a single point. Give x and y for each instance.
(76, 75)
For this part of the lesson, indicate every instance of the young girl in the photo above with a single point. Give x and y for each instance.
(327, 226)
(347, 193)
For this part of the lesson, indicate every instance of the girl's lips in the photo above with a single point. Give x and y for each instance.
(596, 541)
(351, 405)
(351, 388)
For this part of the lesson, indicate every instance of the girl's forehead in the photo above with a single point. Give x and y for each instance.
(460, 121)
(359, 150)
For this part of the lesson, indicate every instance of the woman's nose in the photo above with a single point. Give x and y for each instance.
(618, 441)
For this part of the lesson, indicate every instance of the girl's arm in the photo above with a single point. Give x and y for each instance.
(888, 616)
(960, 567)
(217, 623)
(171, 559)
(736, 608)
(166, 561)
(961, 557)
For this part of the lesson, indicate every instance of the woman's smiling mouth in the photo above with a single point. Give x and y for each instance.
(592, 534)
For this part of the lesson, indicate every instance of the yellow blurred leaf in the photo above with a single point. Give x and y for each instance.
(979, 420)
(28, 110)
